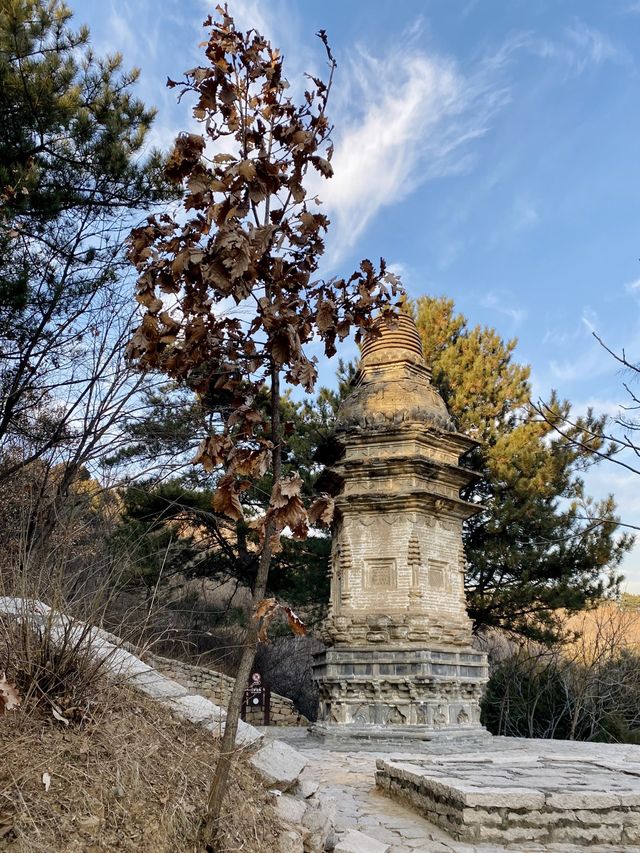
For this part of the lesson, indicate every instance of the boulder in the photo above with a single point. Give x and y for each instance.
(307, 788)
(278, 764)
(318, 820)
(290, 842)
(290, 809)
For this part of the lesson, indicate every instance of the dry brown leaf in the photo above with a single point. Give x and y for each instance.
(326, 314)
(251, 463)
(265, 610)
(295, 623)
(263, 607)
(323, 166)
(212, 452)
(9, 695)
(286, 488)
(225, 498)
(247, 169)
(321, 510)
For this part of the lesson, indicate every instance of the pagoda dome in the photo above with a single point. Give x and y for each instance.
(393, 385)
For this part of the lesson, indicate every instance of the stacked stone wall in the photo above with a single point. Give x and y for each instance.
(217, 687)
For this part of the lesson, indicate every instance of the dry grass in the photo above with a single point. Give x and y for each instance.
(607, 628)
(130, 777)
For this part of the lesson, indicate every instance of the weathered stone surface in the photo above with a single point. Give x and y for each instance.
(278, 764)
(523, 792)
(401, 651)
(307, 787)
(290, 841)
(583, 800)
(499, 798)
(290, 809)
(347, 775)
(318, 820)
(197, 709)
(358, 842)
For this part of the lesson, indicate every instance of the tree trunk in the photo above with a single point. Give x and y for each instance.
(210, 827)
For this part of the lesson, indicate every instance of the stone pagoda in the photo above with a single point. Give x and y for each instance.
(399, 650)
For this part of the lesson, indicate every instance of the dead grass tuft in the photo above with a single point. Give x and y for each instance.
(131, 778)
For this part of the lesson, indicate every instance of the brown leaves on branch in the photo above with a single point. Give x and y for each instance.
(286, 508)
(226, 497)
(321, 511)
(213, 452)
(228, 287)
(266, 610)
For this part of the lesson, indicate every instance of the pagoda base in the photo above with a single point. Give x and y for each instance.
(423, 690)
(400, 738)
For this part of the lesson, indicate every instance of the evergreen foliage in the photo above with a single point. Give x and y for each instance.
(539, 543)
(538, 548)
(73, 177)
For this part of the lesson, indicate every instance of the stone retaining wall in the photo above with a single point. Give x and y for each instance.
(217, 687)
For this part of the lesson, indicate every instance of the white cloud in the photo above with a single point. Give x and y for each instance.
(403, 117)
(498, 302)
(582, 366)
(600, 406)
(588, 320)
(633, 288)
(248, 15)
(143, 47)
(581, 46)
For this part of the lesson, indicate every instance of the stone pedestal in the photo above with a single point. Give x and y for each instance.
(398, 634)
(382, 686)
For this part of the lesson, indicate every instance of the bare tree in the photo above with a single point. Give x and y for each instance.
(587, 688)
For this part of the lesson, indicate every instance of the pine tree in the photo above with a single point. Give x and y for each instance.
(73, 177)
(534, 549)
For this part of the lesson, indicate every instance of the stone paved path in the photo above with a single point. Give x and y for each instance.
(348, 777)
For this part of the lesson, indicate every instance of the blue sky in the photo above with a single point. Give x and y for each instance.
(488, 149)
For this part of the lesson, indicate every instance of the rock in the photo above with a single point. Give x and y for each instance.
(307, 788)
(290, 842)
(278, 764)
(358, 842)
(290, 809)
(330, 841)
(318, 820)
(247, 735)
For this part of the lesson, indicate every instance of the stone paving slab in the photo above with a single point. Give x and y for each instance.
(348, 777)
(580, 795)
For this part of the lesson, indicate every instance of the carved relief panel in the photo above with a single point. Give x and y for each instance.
(380, 573)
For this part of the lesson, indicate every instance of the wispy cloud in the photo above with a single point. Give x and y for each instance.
(499, 302)
(580, 47)
(403, 117)
(525, 214)
(163, 47)
(633, 288)
(589, 320)
(250, 15)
